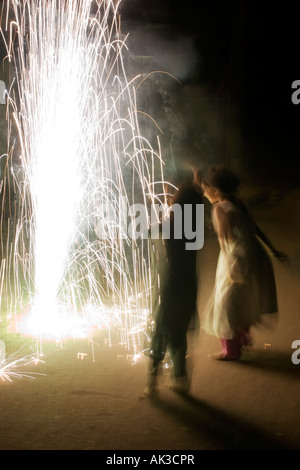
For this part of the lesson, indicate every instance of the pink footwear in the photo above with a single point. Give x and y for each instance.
(232, 348)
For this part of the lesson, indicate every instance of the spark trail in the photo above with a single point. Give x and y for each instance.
(76, 160)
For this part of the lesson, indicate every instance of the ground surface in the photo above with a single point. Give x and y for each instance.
(92, 397)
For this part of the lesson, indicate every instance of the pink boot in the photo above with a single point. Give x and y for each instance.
(232, 348)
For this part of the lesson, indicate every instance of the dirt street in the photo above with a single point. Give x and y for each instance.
(92, 397)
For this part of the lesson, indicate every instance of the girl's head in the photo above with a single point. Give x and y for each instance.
(218, 183)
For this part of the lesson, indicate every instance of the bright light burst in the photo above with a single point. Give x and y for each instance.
(82, 161)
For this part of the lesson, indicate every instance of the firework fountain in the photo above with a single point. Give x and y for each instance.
(76, 164)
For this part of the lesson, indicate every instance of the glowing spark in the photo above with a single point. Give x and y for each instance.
(82, 158)
(11, 367)
(81, 356)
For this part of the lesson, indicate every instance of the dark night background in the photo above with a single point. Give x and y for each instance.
(246, 50)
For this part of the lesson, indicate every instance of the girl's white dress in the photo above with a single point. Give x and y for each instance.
(245, 287)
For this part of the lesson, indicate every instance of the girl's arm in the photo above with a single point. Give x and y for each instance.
(277, 254)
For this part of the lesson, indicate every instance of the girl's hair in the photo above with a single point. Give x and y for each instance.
(221, 178)
(226, 181)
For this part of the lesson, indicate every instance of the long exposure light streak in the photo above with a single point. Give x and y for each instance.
(77, 160)
(12, 366)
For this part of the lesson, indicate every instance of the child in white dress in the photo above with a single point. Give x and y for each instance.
(245, 288)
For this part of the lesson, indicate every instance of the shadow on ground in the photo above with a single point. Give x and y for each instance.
(276, 362)
(229, 432)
